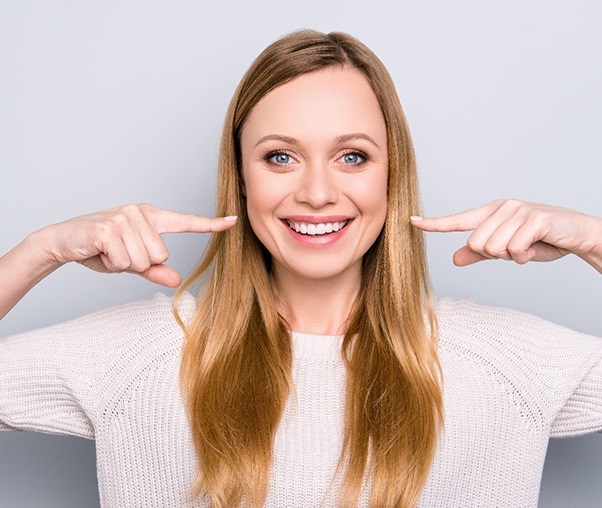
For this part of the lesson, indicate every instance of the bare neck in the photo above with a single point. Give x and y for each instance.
(316, 306)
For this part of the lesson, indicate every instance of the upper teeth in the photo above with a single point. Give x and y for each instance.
(317, 229)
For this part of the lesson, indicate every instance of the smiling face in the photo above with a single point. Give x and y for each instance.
(314, 159)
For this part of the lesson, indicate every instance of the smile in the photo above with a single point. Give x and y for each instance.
(323, 228)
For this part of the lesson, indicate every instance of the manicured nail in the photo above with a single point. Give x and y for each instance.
(416, 218)
(231, 218)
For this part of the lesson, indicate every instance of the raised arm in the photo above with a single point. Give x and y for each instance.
(124, 239)
(519, 231)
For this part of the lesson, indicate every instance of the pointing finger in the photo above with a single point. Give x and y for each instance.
(463, 221)
(167, 221)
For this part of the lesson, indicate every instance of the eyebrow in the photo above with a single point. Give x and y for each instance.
(354, 136)
(277, 137)
(339, 139)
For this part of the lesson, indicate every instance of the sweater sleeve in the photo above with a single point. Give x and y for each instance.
(572, 363)
(582, 411)
(52, 380)
(553, 374)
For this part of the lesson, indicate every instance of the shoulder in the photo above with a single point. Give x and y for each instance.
(91, 366)
(148, 323)
(143, 313)
(511, 342)
(140, 357)
(471, 320)
(549, 374)
(137, 317)
(100, 336)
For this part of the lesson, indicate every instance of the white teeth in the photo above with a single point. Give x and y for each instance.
(322, 228)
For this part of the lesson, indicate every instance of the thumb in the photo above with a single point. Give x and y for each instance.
(465, 256)
(162, 274)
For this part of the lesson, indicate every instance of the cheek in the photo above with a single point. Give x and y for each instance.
(263, 196)
(373, 205)
(257, 216)
(256, 204)
(371, 195)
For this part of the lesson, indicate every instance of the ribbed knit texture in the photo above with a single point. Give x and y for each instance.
(510, 381)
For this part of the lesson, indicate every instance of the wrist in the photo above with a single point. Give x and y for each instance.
(22, 268)
(592, 252)
(36, 251)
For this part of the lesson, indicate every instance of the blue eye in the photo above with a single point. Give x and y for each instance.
(279, 158)
(282, 158)
(354, 158)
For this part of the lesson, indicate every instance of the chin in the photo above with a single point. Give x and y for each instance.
(317, 270)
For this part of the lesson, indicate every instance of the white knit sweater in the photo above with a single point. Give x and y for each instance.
(511, 381)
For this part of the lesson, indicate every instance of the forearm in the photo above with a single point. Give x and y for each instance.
(21, 269)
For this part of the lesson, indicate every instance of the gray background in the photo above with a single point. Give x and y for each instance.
(109, 102)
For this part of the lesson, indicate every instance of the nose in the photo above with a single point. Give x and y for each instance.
(317, 186)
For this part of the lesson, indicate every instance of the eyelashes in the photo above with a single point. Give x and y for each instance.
(282, 158)
(278, 158)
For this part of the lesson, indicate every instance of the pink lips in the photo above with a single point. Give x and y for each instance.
(331, 228)
(317, 219)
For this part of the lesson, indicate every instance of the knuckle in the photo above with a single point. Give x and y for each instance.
(104, 231)
(491, 252)
(145, 208)
(129, 209)
(128, 214)
(498, 251)
(159, 257)
(120, 220)
(519, 256)
(502, 252)
(474, 244)
(512, 204)
(539, 218)
(139, 266)
(519, 252)
(118, 265)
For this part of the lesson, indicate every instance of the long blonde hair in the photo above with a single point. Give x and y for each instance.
(236, 363)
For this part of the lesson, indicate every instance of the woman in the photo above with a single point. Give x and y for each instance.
(315, 369)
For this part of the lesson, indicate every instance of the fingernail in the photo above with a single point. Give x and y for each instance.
(416, 218)
(231, 218)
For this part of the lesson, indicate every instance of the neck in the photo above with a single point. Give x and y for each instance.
(316, 306)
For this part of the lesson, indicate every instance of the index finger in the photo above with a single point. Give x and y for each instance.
(463, 221)
(166, 221)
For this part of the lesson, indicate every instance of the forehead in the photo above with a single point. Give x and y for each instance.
(328, 102)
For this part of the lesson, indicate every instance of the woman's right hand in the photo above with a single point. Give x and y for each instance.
(124, 239)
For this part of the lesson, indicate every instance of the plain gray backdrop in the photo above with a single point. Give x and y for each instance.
(110, 102)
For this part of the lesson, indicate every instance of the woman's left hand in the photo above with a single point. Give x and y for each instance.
(519, 231)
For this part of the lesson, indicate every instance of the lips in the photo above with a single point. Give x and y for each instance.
(316, 229)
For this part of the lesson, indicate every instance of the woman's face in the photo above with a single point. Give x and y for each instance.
(314, 156)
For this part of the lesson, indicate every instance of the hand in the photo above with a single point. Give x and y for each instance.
(125, 239)
(518, 231)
